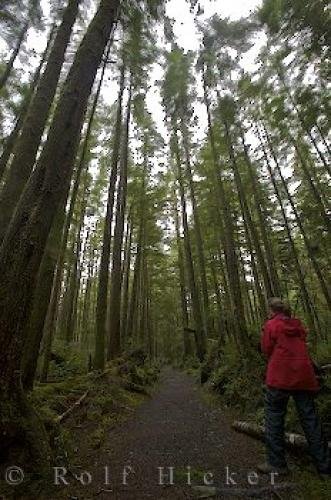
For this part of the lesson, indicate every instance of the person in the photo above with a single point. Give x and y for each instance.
(290, 373)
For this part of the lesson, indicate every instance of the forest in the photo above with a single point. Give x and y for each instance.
(152, 199)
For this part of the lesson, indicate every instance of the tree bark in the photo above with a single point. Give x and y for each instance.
(126, 278)
(263, 223)
(81, 169)
(231, 258)
(28, 142)
(12, 138)
(114, 346)
(197, 228)
(317, 270)
(70, 309)
(10, 64)
(200, 334)
(251, 229)
(35, 325)
(182, 286)
(304, 292)
(101, 310)
(292, 439)
(132, 313)
(31, 224)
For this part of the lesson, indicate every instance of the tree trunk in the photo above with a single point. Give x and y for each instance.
(251, 230)
(12, 138)
(87, 299)
(318, 271)
(70, 308)
(302, 121)
(114, 346)
(132, 313)
(200, 334)
(263, 223)
(223, 331)
(231, 259)
(326, 145)
(80, 170)
(35, 325)
(292, 440)
(28, 142)
(313, 189)
(32, 222)
(126, 278)
(101, 310)
(182, 286)
(304, 292)
(197, 228)
(81, 284)
(10, 63)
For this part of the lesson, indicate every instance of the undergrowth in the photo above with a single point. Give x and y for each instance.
(239, 385)
(240, 382)
(111, 397)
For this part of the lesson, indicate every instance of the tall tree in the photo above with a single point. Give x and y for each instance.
(101, 310)
(27, 144)
(12, 138)
(51, 270)
(15, 22)
(114, 346)
(32, 222)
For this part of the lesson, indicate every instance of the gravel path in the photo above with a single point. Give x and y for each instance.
(175, 428)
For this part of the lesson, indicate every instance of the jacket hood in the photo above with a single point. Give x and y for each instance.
(292, 326)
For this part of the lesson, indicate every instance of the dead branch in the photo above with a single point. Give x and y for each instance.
(78, 403)
(257, 431)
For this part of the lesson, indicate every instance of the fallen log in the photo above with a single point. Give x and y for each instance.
(77, 403)
(292, 439)
(211, 491)
(132, 387)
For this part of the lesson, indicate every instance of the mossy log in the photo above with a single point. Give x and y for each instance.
(257, 431)
(132, 387)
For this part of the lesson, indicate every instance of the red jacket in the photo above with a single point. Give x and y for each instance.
(289, 364)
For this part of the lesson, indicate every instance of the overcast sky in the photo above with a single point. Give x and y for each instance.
(184, 26)
(187, 37)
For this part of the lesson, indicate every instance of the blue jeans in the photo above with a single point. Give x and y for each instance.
(276, 401)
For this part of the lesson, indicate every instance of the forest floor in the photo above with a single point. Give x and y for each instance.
(179, 427)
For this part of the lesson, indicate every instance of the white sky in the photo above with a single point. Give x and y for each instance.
(184, 27)
(187, 37)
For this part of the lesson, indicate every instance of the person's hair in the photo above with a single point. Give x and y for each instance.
(277, 305)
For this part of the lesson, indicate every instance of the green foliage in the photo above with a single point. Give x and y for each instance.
(238, 381)
(66, 361)
(294, 17)
(279, 99)
(313, 487)
(240, 385)
(14, 14)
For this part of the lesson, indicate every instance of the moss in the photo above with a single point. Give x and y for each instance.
(97, 437)
(240, 388)
(26, 443)
(109, 402)
(313, 488)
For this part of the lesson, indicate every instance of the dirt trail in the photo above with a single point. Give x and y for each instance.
(175, 428)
